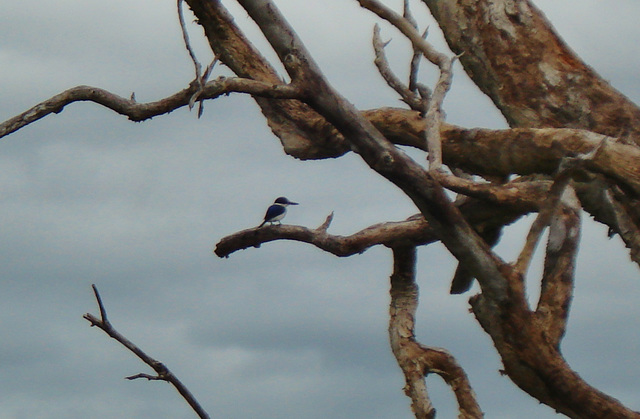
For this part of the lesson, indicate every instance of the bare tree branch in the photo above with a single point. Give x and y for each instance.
(414, 65)
(201, 78)
(567, 169)
(416, 360)
(163, 373)
(413, 230)
(377, 151)
(434, 115)
(140, 111)
(414, 101)
(524, 192)
(187, 43)
(544, 218)
(619, 212)
(556, 288)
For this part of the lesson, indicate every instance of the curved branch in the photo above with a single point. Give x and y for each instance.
(416, 360)
(414, 230)
(547, 213)
(496, 208)
(415, 101)
(140, 111)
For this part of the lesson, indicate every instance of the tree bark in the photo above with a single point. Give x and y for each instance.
(527, 342)
(513, 54)
(416, 360)
(559, 109)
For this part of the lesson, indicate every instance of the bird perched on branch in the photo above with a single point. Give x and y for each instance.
(277, 211)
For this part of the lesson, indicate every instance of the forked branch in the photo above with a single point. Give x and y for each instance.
(434, 114)
(163, 373)
(416, 102)
(415, 360)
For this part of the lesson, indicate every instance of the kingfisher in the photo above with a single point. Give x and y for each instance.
(277, 211)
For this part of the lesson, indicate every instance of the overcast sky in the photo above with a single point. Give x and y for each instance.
(284, 331)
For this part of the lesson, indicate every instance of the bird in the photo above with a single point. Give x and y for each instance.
(277, 211)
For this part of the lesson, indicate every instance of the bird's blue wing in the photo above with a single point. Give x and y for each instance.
(274, 211)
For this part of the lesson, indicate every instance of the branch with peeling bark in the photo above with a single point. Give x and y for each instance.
(415, 360)
(414, 230)
(315, 121)
(503, 293)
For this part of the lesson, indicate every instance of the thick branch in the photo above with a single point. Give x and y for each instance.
(534, 363)
(302, 131)
(514, 55)
(163, 372)
(416, 360)
(559, 267)
(377, 152)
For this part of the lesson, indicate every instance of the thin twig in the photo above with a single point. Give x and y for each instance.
(162, 371)
(147, 376)
(187, 43)
(201, 78)
(414, 66)
(410, 98)
(205, 77)
(434, 114)
(327, 222)
(103, 311)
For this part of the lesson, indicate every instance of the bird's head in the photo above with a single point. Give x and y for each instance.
(284, 201)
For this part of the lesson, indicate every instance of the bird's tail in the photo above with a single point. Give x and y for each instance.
(263, 223)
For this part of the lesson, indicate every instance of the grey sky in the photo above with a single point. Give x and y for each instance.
(284, 331)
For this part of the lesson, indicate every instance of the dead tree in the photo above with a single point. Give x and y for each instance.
(572, 146)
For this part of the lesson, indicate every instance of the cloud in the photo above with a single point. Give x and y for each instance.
(281, 331)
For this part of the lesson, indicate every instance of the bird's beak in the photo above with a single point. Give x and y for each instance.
(293, 203)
